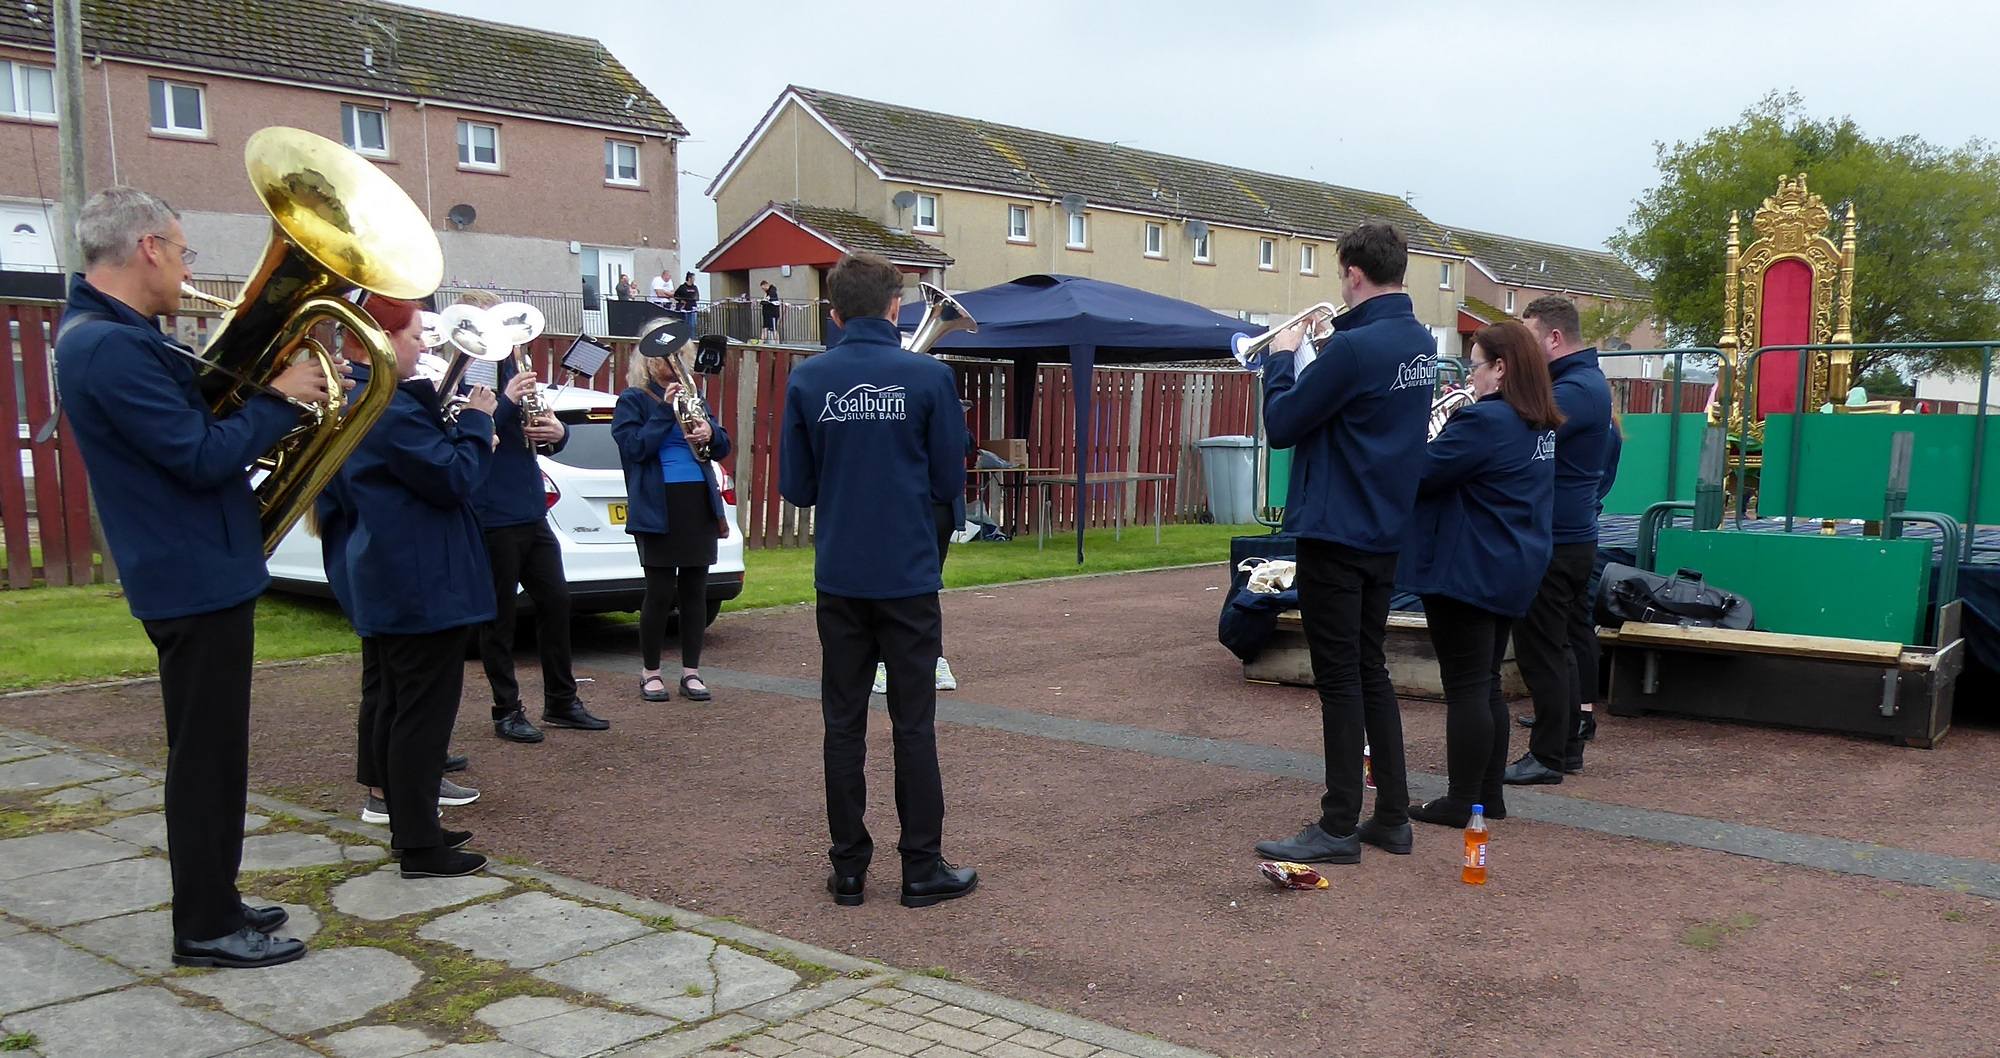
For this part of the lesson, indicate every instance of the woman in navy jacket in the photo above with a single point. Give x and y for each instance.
(1480, 543)
(404, 556)
(674, 513)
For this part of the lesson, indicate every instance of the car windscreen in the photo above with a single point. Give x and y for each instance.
(590, 445)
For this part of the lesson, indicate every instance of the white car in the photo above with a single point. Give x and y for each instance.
(585, 488)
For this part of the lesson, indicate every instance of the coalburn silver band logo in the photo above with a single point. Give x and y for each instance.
(864, 402)
(1545, 445)
(1420, 371)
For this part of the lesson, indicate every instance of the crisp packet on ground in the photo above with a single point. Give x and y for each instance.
(1292, 875)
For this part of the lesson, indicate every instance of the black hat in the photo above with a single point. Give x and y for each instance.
(664, 336)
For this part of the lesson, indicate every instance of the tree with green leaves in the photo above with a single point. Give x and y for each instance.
(1928, 254)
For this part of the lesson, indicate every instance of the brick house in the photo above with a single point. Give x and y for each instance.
(1504, 274)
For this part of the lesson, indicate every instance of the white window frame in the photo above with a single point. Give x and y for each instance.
(1155, 245)
(17, 75)
(1203, 248)
(1510, 302)
(1267, 255)
(611, 165)
(1027, 224)
(350, 129)
(1308, 259)
(917, 216)
(1077, 235)
(468, 151)
(173, 126)
(1444, 275)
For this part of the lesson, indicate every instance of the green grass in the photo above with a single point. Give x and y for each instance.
(18, 1041)
(70, 635)
(1708, 936)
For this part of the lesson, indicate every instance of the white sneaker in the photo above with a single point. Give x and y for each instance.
(881, 679)
(945, 680)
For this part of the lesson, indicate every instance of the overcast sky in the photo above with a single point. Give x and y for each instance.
(1533, 119)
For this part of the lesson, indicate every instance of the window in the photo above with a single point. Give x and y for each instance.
(1444, 275)
(27, 91)
(178, 109)
(1267, 254)
(1308, 258)
(1017, 224)
(621, 163)
(927, 213)
(478, 145)
(1201, 247)
(1079, 231)
(1510, 301)
(1156, 240)
(366, 129)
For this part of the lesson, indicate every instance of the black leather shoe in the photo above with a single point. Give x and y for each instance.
(1525, 720)
(576, 717)
(1313, 845)
(695, 689)
(514, 727)
(245, 949)
(647, 692)
(1493, 806)
(1586, 728)
(453, 839)
(1573, 765)
(1395, 840)
(456, 762)
(847, 889)
(1443, 812)
(947, 883)
(441, 862)
(1528, 771)
(265, 919)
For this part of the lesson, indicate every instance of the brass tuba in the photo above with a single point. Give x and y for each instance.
(339, 225)
(942, 315)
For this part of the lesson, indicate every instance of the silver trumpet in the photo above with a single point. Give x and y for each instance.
(1252, 350)
(1448, 403)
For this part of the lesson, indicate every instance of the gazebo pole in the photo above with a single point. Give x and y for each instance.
(1082, 364)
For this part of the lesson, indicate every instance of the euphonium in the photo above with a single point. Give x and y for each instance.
(339, 226)
(942, 315)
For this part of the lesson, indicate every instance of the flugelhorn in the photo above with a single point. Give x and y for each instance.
(339, 226)
(1251, 350)
(942, 315)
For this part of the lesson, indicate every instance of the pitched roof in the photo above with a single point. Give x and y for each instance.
(416, 52)
(1484, 311)
(842, 229)
(928, 147)
(1524, 262)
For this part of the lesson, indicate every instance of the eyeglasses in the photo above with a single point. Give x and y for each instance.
(1476, 365)
(187, 255)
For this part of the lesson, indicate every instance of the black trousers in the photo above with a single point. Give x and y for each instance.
(1543, 649)
(1344, 602)
(367, 770)
(1583, 644)
(941, 513)
(903, 634)
(528, 556)
(1470, 643)
(205, 664)
(422, 677)
(669, 588)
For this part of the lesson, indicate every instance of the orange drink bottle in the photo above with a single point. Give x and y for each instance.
(1475, 848)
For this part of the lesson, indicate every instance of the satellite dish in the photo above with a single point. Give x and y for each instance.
(1072, 204)
(904, 199)
(461, 215)
(1197, 229)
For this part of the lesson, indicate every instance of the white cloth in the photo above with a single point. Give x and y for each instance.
(1268, 576)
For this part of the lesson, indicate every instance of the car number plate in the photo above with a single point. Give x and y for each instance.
(616, 512)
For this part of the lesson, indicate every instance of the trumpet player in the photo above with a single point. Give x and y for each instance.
(1356, 419)
(674, 509)
(524, 556)
(182, 523)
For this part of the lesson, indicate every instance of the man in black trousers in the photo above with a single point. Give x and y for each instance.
(1544, 639)
(1355, 418)
(182, 523)
(873, 439)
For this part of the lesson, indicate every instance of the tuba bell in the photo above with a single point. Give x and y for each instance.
(942, 315)
(339, 226)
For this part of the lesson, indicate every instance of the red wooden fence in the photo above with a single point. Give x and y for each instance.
(1142, 420)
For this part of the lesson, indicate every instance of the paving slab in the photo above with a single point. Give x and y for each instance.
(149, 829)
(384, 894)
(364, 853)
(72, 795)
(532, 929)
(37, 969)
(683, 976)
(580, 1033)
(119, 785)
(517, 1009)
(59, 851)
(8, 929)
(493, 1049)
(275, 1049)
(324, 989)
(742, 979)
(49, 771)
(81, 894)
(143, 942)
(137, 1021)
(13, 751)
(149, 797)
(279, 852)
(379, 1041)
(692, 1040)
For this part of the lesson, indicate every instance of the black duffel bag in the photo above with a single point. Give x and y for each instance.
(1627, 593)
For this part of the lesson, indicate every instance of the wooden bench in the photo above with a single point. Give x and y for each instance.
(1412, 663)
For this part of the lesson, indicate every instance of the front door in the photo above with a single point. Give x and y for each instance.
(27, 240)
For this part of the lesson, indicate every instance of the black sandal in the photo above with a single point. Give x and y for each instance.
(692, 694)
(661, 695)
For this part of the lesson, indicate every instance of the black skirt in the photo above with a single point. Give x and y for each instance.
(690, 536)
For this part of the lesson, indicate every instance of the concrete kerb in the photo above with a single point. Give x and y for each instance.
(1040, 1018)
(64, 688)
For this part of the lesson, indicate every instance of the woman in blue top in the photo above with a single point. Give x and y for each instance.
(1481, 544)
(674, 513)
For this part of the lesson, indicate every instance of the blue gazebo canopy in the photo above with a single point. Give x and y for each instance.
(1081, 322)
